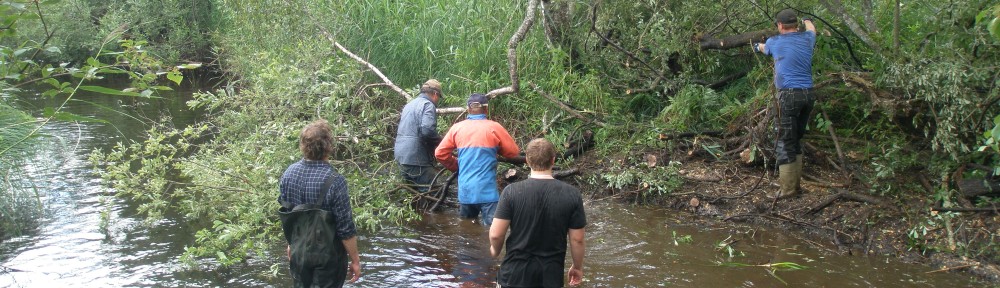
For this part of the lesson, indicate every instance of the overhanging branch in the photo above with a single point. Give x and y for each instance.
(329, 36)
(529, 19)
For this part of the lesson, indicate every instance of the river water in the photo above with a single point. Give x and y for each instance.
(627, 246)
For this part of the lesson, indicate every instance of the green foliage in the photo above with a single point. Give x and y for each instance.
(681, 239)
(889, 164)
(641, 181)
(695, 107)
(991, 143)
(176, 30)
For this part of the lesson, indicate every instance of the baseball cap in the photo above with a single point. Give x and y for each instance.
(431, 84)
(477, 98)
(787, 16)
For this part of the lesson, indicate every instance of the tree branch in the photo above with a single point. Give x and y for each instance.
(735, 41)
(565, 107)
(837, 7)
(529, 19)
(593, 28)
(329, 36)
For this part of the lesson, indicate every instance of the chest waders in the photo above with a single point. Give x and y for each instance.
(312, 241)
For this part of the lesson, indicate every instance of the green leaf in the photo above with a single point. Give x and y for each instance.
(53, 49)
(93, 62)
(994, 28)
(69, 117)
(175, 76)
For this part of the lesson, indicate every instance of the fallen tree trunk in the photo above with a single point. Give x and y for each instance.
(847, 196)
(667, 137)
(971, 188)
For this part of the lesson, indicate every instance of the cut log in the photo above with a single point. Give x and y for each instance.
(512, 175)
(513, 160)
(971, 188)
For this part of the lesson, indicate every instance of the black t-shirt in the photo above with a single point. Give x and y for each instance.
(541, 212)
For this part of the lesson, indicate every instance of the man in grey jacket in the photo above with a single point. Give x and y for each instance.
(417, 136)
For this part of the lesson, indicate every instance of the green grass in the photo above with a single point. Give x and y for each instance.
(20, 206)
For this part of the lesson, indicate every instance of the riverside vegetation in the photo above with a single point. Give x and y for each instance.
(908, 92)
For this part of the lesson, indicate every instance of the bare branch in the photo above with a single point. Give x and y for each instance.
(565, 107)
(593, 28)
(329, 36)
(529, 19)
(838, 8)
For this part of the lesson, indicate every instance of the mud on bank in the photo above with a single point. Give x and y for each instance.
(846, 217)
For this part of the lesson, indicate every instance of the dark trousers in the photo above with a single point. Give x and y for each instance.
(421, 176)
(794, 106)
(331, 274)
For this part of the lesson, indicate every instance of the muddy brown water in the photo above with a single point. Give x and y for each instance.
(627, 246)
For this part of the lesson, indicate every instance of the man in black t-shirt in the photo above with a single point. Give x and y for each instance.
(540, 212)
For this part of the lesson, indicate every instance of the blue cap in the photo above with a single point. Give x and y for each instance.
(477, 98)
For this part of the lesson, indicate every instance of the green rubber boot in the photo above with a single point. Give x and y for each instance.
(797, 169)
(787, 180)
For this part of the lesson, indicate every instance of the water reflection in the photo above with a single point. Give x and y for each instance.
(440, 250)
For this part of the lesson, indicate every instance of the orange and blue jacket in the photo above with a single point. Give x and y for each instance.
(477, 141)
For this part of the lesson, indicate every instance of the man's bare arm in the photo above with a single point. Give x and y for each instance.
(809, 25)
(354, 267)
(498, 233)
(577, 248)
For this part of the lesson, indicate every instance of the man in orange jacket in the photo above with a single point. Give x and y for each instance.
(477, 141)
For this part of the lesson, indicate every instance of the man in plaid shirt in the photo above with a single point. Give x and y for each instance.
(301, 183)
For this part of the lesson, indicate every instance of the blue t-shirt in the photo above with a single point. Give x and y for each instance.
(792, 54)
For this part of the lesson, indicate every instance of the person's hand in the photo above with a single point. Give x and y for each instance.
(804, 19)
(353, 272)
(575, 276)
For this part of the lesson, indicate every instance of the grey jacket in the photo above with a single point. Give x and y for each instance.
(417, 134)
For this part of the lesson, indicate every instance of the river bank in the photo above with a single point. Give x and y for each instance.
(845, 220)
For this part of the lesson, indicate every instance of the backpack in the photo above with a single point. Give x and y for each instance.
(309, 231)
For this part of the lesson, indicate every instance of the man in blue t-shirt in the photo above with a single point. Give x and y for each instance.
(792, 51)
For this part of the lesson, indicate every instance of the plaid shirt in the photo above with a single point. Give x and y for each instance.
(301, 182)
